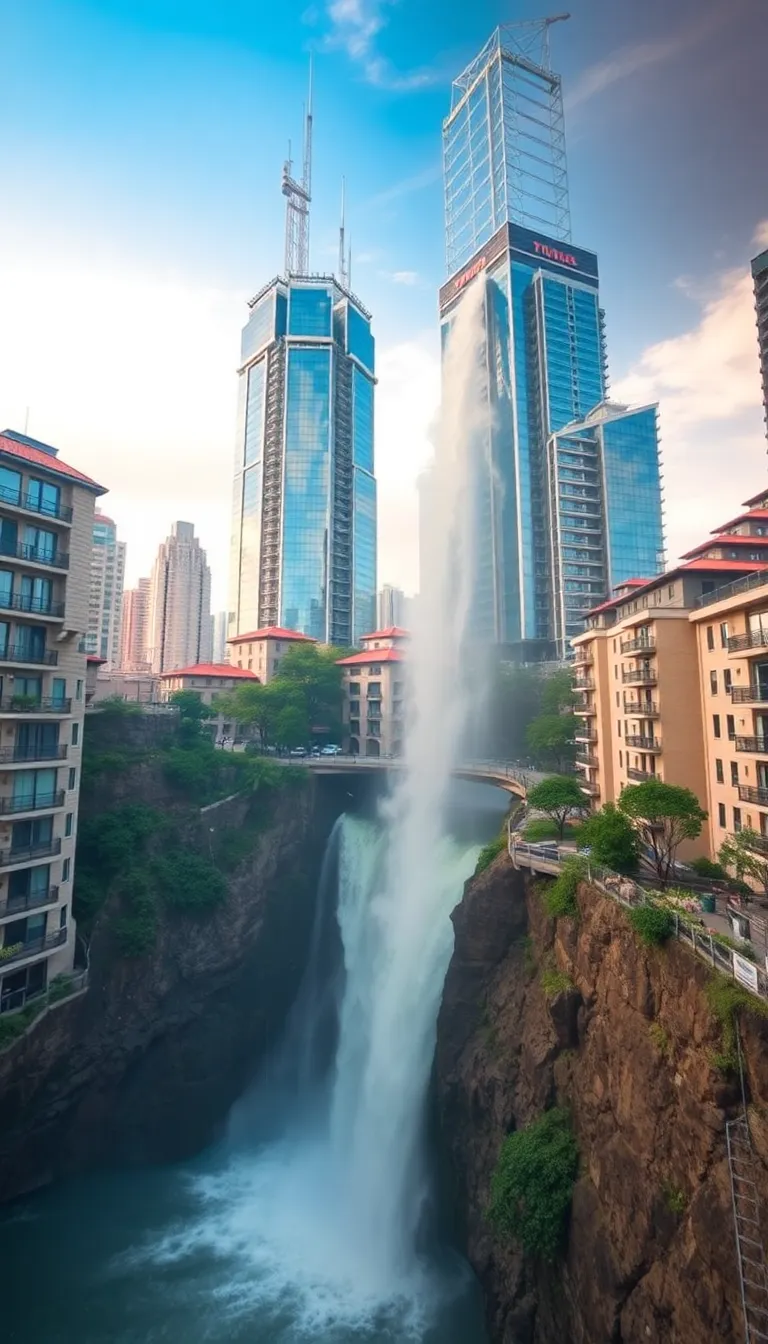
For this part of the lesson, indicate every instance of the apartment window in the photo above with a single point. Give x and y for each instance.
(65, 867)
(63, 917)
(734, 772)
(719, 775)
(72, 779)
(727, 681)
(716, 724)
(615, 671)
(75, 734)
(721, 814)
(614, 646)
(737, 818)
(713, 683)
(59, 690)
(68, 823)
(723, 634)
(671, 590)
(79, 690)
(617, 699)
(730, 726)
(618, 727)
(621, 758)
(710, 637)
(354, 688)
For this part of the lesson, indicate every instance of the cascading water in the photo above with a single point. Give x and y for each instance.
(308, 1224)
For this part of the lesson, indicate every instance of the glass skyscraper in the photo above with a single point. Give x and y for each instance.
(303, 553)
(561, 515)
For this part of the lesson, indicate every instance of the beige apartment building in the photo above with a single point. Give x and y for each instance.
(46, 537)
(374, 694)
(133, 635)
(261, 650)
(656, 681)
(178, 629)
(208, 680)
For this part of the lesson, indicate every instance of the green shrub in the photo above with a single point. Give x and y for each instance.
(490, 852)
(706, 868)
(540, 829)
(727, 1000)
(652, 923)
(533, 1182)
(659, 1037)
(560, 895)
(186, 881)
(675, 1199)
(554, 981)
(13, 1025)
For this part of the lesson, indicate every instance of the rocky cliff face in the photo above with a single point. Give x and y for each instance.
(650, 1253)
(146, 1065)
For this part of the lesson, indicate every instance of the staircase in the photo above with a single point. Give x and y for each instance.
(753, 1276)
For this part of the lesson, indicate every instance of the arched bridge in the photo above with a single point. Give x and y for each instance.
(504, 776)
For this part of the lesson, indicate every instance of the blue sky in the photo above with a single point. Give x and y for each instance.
(140, 153)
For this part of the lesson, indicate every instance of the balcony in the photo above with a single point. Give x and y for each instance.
(638, 646)
(586, 710)
(642, 676)
(46, 802)
(642, 709)
(749, 695)
(18, 499)
(760, 843)
(592, 790)
(644, 743)
(757, 745)
(585, 735)
(16, 952)
(29, 704)
(640, 775)
(587, 758)
(753, 639)
(17, 905)
(583, 659)
(17, 653)
(32, 606)
(15, 858)
(26, 755)
(752, 795)
(36, 555)
(583, 684)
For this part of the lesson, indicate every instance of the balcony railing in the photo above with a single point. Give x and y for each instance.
(16, 905)
(641, 709)
(19, 500)
(757, 579)
(585, 709)
(749, 695)
(28, 704)
(583, 659)
(760, 843)
(10, 858)
(17, 653)
(755, 744)
(45, 802)
(644, 743)
(583, 684)
(587, 758)
(641, 676)
(638, 646)
(36, 555)
(585, 735)
(754, 639)
(32, 606)
(20, 951)
(640, 775)
(15, 755)
(592, 789)
(752, 795)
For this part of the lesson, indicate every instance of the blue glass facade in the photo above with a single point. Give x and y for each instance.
(632, 491)
(303, 551)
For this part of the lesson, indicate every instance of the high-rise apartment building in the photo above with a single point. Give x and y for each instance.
(760, 281)
(105, 602)
(46, 541)
(179, 617)
(558, 520)
(220, 637)
(303, 552)
(391, 607)
(133, 637)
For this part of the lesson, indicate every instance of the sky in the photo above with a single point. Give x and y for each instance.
(141, 145)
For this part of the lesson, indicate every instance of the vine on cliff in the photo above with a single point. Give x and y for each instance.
(532, 1185)
(560, 896)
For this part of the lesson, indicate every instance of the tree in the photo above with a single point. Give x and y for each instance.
(192, 713)
(664, 815)
(550, 739)
(742, 853)
(291, 726)
(256, 706)
(315, 670)
(558, 796)
(557, 694)
(612, 839)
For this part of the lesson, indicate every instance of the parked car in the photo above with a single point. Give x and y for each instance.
(298, 751)
(331, 750)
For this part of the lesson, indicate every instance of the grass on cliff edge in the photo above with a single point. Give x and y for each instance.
(727, 1000)
(559, 897)
(491, 851)
(533, 1182)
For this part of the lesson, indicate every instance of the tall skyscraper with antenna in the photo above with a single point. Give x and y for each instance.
(303, 549)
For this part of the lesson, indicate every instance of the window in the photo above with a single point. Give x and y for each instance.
(79, 690)
(43, 498)
(63, 916)
(730, 726)
(737, 818)
(713, 683)
(65, 867)
(710, 637)
(723, 634)
(59, 690)
(621, 758)
(68, 823)
(354, 688)
(618, 728)
(75, 734)
(721, 814)
(376, 671)
(671, 590)
(716, 724)
(734, 772)
(615, 671)
(727, 680)
(719, 775)
(72, 779)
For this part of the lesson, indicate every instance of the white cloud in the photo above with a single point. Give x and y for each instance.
(409, 278)
(354, 27)
(707, 383)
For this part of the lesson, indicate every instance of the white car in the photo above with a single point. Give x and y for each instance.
(331, 750)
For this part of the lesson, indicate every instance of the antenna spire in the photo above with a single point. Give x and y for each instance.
(298, 196)
(342, 257)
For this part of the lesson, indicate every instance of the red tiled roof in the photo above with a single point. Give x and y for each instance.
(392, 632)
(271, 632)
(742, 566)
(38, 458)
(756, 499)
(737, 540)
(759, 515)
(373, 656)
(701, 563)
(633, 583)
(211, 670)
(94, 658)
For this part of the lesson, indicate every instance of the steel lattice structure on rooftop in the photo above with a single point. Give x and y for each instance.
(504, 157)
